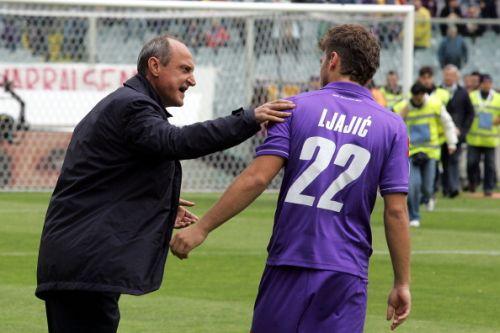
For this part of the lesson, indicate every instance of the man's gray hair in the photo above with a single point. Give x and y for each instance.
(158, 47)
(451, 67)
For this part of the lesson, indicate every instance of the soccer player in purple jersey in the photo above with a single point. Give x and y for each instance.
(337, 149)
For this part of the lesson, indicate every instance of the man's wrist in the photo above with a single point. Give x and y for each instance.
(401, 284)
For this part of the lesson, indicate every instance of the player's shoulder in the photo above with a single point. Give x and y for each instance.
(305, 96)
(388, 116)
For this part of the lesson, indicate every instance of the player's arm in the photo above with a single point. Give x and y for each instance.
(239, 195)
(398, 240)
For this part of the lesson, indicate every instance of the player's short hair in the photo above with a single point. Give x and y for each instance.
(158, 47)
(426, 70)
(359, 50)
(418, 89)
(391, 72)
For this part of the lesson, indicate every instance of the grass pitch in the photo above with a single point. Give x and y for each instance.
(455, 271)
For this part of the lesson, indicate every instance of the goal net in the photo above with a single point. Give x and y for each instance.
(59, 58)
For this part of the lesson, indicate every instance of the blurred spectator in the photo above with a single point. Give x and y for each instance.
(426, 78)
(422, 26)
(218, 36)
(483, 136)
(462, 112)
(474, 30)
(471, 81)
(392, 91)
(286, 37)
(376, 93)
(452, 49)
(431, 5)
(452, 12)
(489, 10)
(192, 35)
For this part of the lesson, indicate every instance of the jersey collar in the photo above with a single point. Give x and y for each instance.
(349, 87)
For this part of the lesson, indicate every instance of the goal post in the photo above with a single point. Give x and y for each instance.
(62, 56)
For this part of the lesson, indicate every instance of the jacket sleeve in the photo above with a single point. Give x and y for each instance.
(449, 128)
(148, 132)
(468, 116)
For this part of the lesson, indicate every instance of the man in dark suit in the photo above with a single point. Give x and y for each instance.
(110, 218)
(461, 110)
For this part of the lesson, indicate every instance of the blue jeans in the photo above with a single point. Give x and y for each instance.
(421, 185)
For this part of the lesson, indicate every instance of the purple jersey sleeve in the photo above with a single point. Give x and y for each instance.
(277, 141)
(396, 169)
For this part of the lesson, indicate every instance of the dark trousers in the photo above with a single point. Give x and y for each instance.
(451, 174)
(82, 312)
(473, 159)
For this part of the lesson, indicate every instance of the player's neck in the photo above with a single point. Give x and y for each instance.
(340, 78)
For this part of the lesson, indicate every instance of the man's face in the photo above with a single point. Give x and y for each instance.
(450, 77)
(418, 99)
(177, 76)
(486, 85)
(427, 80)
(392, 80)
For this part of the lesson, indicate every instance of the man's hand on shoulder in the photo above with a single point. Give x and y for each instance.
(273, 111)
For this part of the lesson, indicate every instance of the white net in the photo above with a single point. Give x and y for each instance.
(60, 60)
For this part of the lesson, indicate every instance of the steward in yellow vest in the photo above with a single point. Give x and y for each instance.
(485, 131)
(484, 135)
(392, 91)
(424, 115)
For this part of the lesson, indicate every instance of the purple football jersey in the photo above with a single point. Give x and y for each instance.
(340, 146)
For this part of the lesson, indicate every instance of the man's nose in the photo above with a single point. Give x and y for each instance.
(192, 81)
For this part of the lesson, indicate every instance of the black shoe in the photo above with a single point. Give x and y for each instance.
(454, 194)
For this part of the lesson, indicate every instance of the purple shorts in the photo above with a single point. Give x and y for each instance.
(302, 300)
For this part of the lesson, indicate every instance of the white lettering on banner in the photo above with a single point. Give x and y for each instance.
(355, 126)
(60, 95)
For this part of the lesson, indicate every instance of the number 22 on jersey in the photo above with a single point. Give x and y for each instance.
(327, 148)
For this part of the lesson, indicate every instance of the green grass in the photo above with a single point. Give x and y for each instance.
(214, 290)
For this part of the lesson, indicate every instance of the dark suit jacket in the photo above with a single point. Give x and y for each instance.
(112, 212)
(461, 110)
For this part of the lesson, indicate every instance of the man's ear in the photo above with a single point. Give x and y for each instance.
(334, 61)
(154, 66)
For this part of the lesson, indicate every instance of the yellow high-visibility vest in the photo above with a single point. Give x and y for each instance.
(444, 96)
(391, 98)
(423, 126)
(483, 133)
